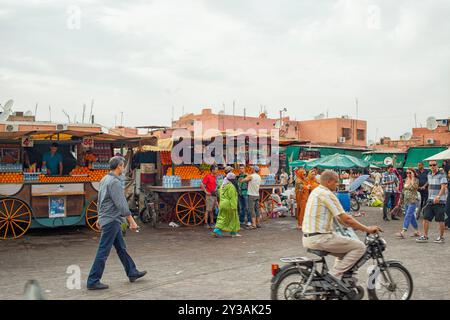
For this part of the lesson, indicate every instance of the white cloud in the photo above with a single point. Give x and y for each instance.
(309, 56)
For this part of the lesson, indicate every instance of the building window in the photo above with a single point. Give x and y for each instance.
(346, 133)
(361, 134)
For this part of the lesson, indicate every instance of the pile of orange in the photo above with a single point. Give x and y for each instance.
(15, 177)
(166, 158)
(80, 171)
(193, 172)
(97, 175)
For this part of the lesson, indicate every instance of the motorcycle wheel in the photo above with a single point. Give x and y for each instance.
(290, 286)
(402, 289)
(354, 205)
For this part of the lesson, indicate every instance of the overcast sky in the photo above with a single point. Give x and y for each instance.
(143, 57)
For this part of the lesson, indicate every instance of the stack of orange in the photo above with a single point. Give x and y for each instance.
(80, 171)
(11, 177)
(166, 158)
(187, 172)
(97, 175)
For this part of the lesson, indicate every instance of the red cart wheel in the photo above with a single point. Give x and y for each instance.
(191, 208)
(92, 215)
(265, 204)
(15, 218)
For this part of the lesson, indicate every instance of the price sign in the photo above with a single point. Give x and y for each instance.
(88, 143)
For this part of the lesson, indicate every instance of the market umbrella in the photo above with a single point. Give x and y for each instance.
(299, 163)
(444, 155)
(338, 162)
(358, 182)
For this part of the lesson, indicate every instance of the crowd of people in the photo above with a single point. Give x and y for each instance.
(239, 201)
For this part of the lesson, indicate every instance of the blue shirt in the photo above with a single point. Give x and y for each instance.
(52, 162)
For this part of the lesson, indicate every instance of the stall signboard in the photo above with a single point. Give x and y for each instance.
(56, 207)
(88, 143)
(27, 142)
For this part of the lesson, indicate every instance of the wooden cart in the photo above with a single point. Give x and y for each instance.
(53, 201)
(188, 204)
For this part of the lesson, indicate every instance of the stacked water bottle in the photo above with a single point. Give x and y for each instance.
(31, 176)
(10, 168)
(195, 183)
(100, 166)
(171, 181)
(269, 179)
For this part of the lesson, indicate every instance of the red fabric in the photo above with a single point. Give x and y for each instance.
(210, 183)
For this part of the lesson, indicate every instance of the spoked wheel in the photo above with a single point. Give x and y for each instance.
(92, 215)
(15, 218)
(354, 205)
(393, 283)
(191, 208)
(290, 287)
(265, 204)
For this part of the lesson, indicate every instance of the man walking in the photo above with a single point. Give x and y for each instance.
(112, 208)
(243, 197)
(435, 207)
(422, 175)
(389, 183)
(284, 179)
(209, 187)
(254, 183)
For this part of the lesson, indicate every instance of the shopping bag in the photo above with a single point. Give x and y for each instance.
(344, 231)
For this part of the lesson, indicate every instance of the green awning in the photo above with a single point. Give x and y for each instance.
(381, 160)
(419, 154)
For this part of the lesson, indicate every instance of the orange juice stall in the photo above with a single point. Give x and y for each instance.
(31, 196)
(177, 195)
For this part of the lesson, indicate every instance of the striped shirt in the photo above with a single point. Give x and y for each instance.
(389, 177)
(435, 183)
(321, 207)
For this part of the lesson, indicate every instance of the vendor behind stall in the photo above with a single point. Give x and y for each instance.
(53, 161)
(89, 158)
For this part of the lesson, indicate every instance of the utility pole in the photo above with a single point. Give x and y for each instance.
(84, 111)
(35, 111)
(121, 119)
(92, 107)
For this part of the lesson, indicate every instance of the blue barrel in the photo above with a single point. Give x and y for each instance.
(344, 199)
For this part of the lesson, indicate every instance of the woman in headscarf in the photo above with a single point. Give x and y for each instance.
(309, 185)
(300, 181)
(228, 218)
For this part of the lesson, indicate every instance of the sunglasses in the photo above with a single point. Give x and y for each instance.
(433, 165)
(409, 172)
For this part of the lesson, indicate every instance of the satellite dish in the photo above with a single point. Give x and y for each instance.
(406, 136)
(8, 105)
(6, 110)
(432, 123)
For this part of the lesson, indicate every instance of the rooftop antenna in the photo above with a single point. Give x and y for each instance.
(121, 119)
(50, 112)
(245, 114)
(35, 111)
(67, 115)
(92, 107)
(356, 100)
(84, 111)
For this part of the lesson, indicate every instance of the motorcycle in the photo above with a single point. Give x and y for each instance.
(304, 278)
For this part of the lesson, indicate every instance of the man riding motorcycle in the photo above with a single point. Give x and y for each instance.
(322, 208)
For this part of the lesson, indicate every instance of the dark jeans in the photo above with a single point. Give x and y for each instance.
(243, 210)
(111, 236)
(423, 198)
(388, 196)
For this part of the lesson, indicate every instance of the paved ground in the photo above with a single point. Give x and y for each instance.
(186, 263)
